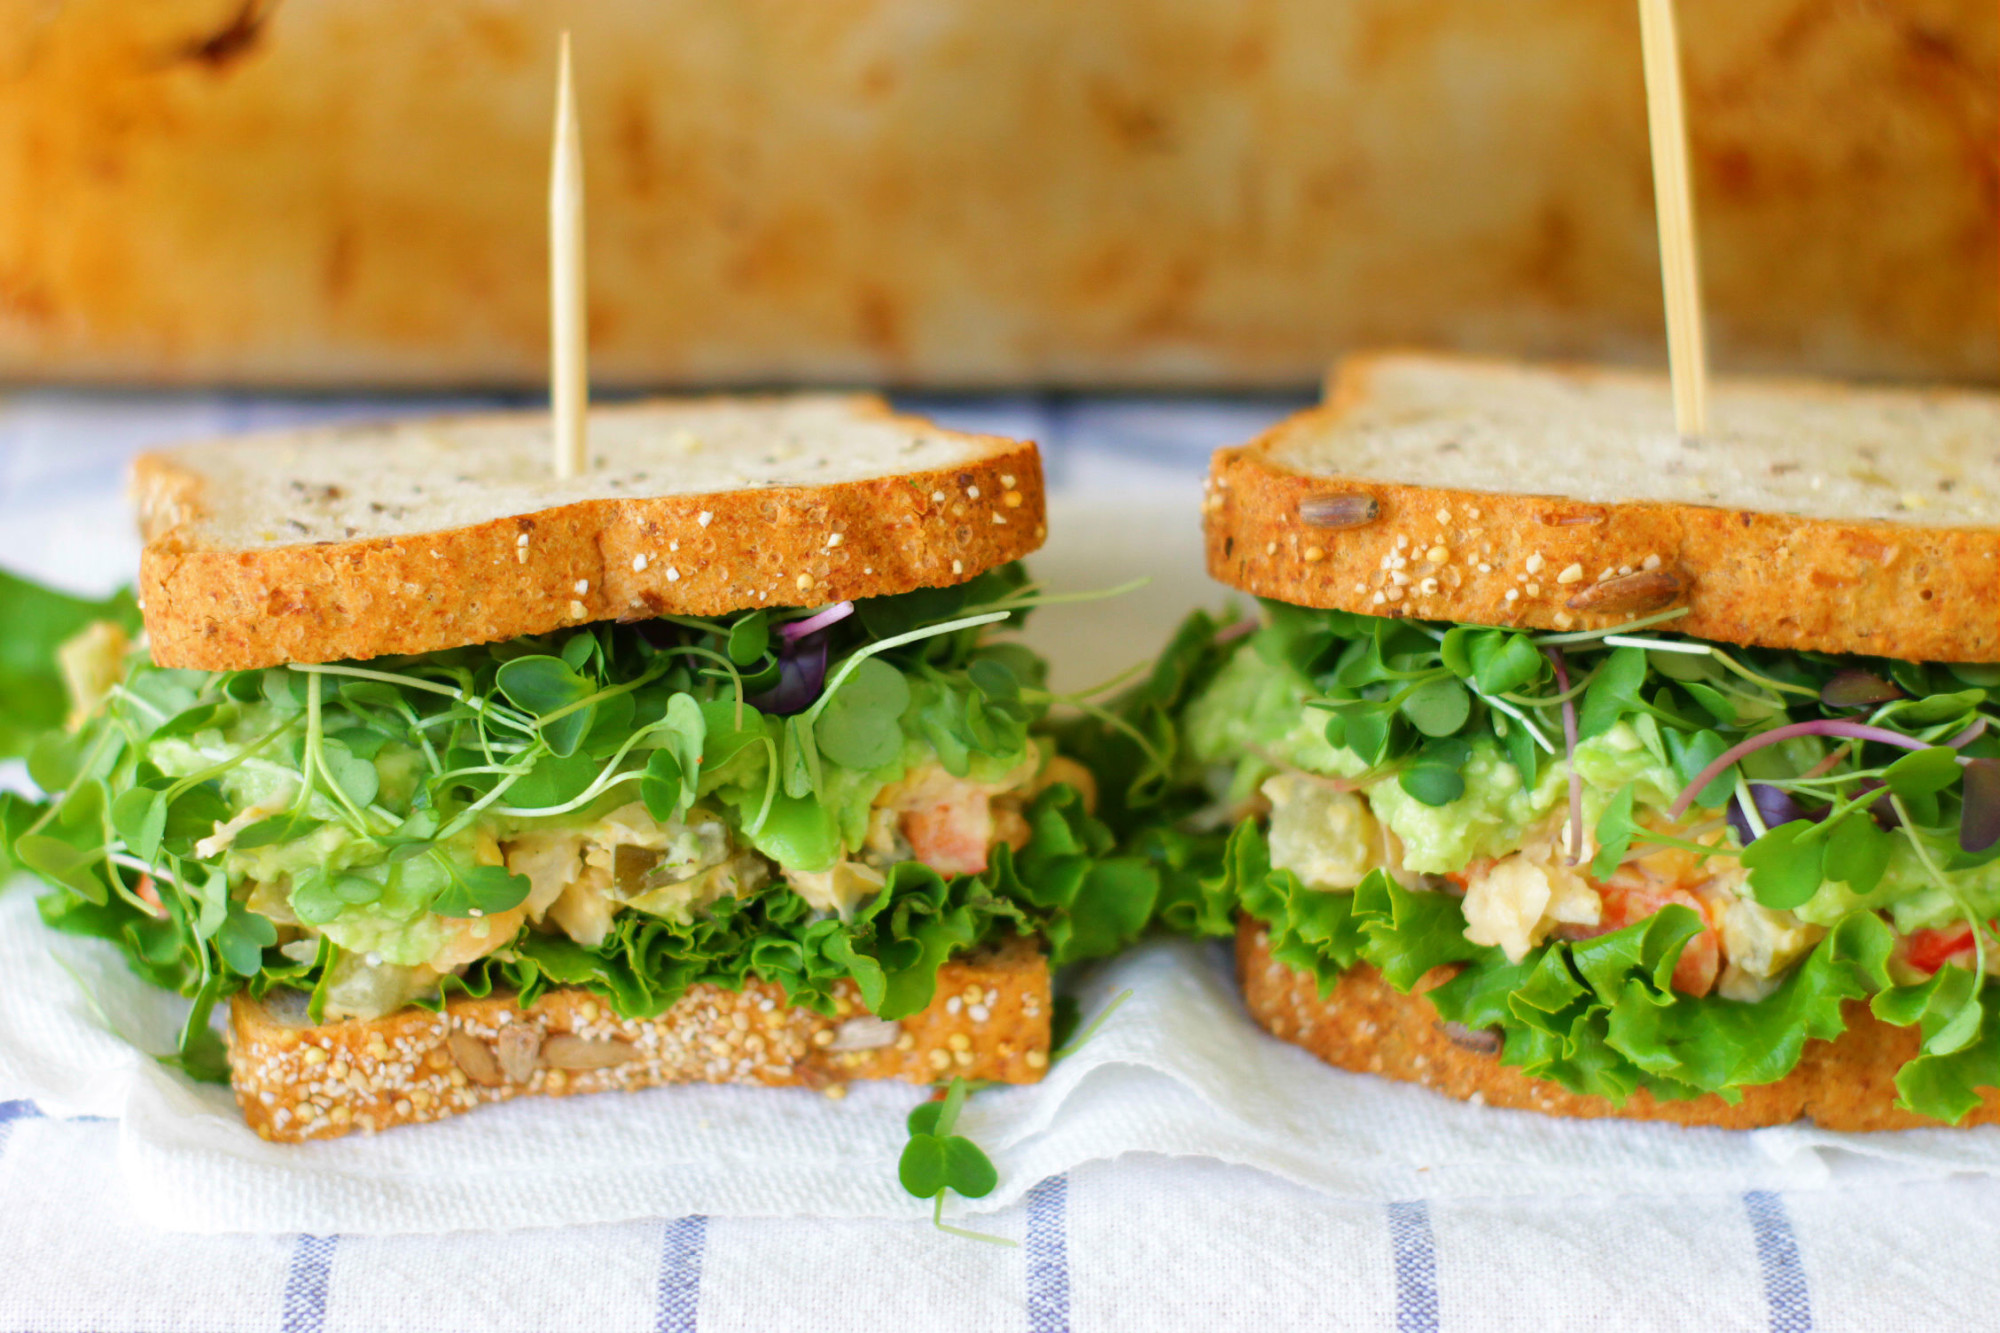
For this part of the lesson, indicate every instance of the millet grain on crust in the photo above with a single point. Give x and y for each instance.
(1368, 1027)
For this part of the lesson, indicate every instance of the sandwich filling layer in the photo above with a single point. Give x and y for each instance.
(804, 796)
(1646, 860)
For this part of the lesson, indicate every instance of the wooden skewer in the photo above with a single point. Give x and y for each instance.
(1673, 206)
(569, 373)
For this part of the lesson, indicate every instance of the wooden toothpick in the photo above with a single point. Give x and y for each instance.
(1673, 206)
(569, 373)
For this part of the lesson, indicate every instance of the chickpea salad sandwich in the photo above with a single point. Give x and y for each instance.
(1578, 767)
(456, 783)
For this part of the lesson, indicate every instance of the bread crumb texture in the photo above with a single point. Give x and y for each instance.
(988, 1022)
(1815, 517)
(364, 541)
(1367, 1026)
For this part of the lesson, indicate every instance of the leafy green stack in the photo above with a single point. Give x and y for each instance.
(1589, 868)
(757, 839)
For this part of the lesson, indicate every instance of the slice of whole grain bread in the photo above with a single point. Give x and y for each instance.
(1813, 516)
(411, 536)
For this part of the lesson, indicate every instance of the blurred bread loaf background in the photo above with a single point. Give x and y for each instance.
(1192, 193)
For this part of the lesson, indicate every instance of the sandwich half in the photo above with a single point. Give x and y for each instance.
(455, 783)
(1575, 766)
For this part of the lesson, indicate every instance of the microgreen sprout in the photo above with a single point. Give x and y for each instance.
(936, 1160)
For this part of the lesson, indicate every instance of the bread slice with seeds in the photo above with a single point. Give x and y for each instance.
(406, 537)
(1561, 498)
(297, 1081)
(1367, 1026)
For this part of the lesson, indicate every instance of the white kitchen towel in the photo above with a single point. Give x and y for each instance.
(1178, 1071)
(1144, 1243)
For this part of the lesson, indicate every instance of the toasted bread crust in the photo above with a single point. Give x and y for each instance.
(297, 1082)
(1368, 1027)
(1773, 580)
(233, 610)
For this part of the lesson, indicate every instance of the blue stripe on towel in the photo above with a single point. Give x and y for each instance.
(307, 1282)
(1785, 1292)
(1048, 1256)
(9, 1113)
(680, 1275)
(1416, 1266)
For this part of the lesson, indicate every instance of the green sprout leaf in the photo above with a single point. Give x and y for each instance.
(482, 890)
(60, 863)
(1612, 691)
(1614, 834)
(1922, 773)
(1438, 708)
(355, 777)
(660, 789)
(967, 1169)
(1364, 731)
(859, 727)
(242, 939)
(1785, 864)
(140, 816)
(1857, 852)
(749, 639)
(922, 1169)
(1436, 775)
(544, 685)
(1503, 662)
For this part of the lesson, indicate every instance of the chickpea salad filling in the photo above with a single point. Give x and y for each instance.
(1642, 860)
(803, 796)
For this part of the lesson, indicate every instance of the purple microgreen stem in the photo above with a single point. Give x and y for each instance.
(1241, 629)
(819, 620)
(1776, 735)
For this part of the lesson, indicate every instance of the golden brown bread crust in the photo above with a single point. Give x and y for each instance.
(229, 610)
(989, 1021)
(1772, 580)
(1367, 1026)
